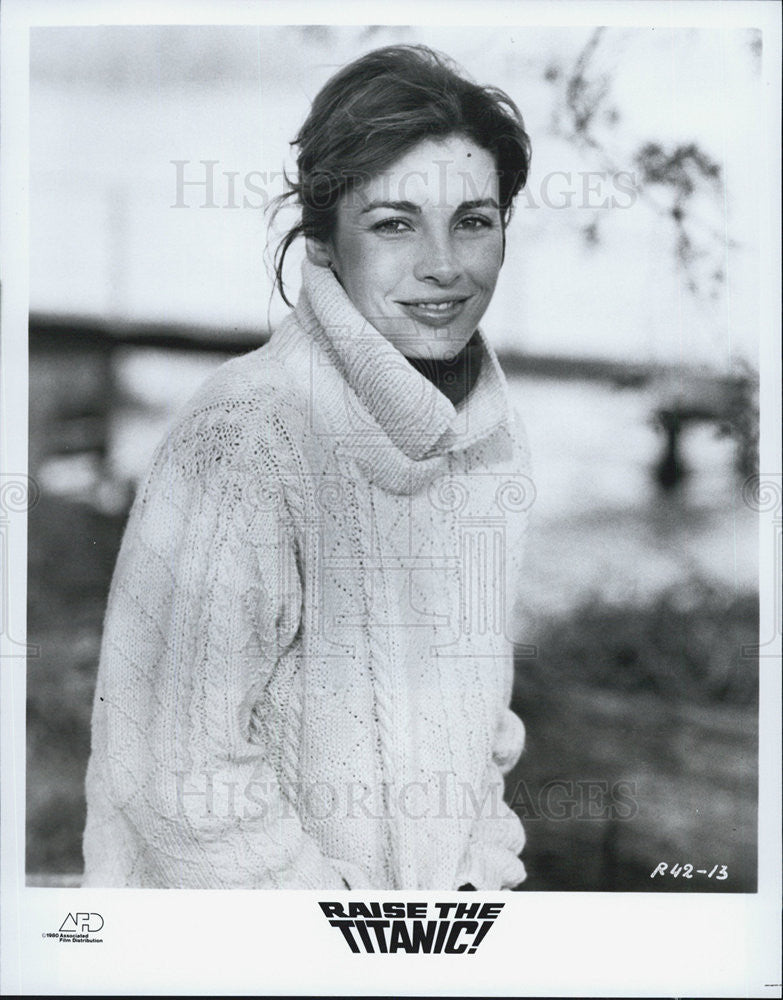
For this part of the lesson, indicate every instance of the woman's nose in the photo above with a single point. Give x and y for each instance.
(437, 262)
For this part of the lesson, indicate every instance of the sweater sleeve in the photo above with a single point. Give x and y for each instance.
(497, 838)
(205, 601)
(491, 860)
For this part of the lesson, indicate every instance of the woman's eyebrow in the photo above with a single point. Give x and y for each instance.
(408, 206)
(397, 206)
(478, 203)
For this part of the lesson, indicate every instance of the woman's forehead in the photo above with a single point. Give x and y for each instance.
(444, 172)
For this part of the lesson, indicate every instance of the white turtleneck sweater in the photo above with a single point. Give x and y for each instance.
(306, 663)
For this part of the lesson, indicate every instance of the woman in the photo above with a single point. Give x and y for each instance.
(305, 672)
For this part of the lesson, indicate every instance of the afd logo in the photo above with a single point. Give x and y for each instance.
(82, 923)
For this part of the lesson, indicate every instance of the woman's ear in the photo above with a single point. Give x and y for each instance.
(318, 252)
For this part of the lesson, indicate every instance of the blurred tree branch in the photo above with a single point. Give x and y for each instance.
(669, 178)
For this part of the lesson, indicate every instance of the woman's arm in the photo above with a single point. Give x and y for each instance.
(492, 860)
(205, 600)
(497, 838)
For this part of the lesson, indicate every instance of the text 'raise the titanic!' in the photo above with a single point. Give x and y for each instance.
(391, 927)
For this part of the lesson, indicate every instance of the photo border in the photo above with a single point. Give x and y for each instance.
(237, 941)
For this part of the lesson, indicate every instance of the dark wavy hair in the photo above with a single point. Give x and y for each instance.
(377, 108)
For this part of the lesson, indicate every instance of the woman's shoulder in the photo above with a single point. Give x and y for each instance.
(264, 380)
(250, 412)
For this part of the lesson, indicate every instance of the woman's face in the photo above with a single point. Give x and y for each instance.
(418, 248)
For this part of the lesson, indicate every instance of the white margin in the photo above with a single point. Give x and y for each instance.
(553, 944)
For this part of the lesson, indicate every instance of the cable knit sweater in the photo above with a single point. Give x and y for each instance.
(306, 668)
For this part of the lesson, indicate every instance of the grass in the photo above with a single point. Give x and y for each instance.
(689, 644)
(662, 699)
(71, 552)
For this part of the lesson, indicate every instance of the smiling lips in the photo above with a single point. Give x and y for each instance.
(436, 313)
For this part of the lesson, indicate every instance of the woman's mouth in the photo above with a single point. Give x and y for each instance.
(437, 313)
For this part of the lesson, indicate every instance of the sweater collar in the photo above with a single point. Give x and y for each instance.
(413, 414)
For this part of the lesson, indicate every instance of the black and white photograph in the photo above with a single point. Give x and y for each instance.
(398, 499)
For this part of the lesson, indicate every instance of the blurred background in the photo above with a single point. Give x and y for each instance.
(625, 317)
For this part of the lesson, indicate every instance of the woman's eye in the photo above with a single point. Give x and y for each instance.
(473, 222)
(391, 226)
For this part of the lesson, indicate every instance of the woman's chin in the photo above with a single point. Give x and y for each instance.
(416, 340)
(436, 351)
